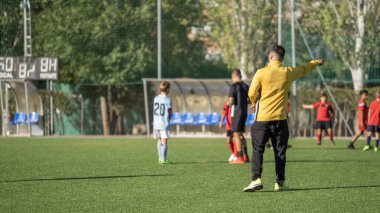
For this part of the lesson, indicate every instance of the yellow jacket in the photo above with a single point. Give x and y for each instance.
(272, 85)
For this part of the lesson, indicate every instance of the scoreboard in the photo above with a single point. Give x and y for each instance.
(29, 68)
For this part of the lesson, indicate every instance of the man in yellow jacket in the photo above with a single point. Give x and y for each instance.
(270, 87)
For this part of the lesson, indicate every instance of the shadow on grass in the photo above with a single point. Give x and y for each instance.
(324, 161)
(288, 161)
(203, 162)
(327, 147)
(335, 187)
(85, 178)
(329, 188)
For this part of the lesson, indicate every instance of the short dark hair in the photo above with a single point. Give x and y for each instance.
(323, 95)
(237, 72)
(280, 50)
(362, 92)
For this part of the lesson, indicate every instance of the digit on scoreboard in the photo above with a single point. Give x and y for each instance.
(53, 64)
(6, 64)
(44, 64)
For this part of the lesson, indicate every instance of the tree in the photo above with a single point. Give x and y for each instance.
(11, 28)
(113, 42)
(350, 28)
(183, 57)
(244, 30)
(92, 43)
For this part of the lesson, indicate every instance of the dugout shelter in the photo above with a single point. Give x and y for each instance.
(197, 104)
(19, 98)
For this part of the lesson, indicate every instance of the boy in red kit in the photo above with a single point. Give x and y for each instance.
(362, 118)
(226, 114)
(324, 114)
(373, 123)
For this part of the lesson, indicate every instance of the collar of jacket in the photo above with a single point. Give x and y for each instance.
(275, 63)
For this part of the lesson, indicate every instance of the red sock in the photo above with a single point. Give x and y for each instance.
(319, 138)
(235, 150)
(231, 147)
(245, 157)
(331, 136)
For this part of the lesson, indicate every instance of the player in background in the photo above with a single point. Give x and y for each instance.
(373, 123)
(325, 113)
(162, 112)
(226, 114)
(238, 100)
(362, 116)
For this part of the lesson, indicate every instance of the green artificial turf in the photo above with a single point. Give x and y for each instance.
(122, 175)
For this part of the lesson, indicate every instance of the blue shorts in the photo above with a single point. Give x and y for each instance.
(324, 125)
(371, 128)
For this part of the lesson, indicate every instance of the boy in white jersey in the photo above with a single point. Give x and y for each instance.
(162, 112)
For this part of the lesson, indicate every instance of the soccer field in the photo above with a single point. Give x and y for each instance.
(122, 175)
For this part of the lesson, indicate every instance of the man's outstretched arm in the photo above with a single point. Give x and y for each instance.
(299, 72)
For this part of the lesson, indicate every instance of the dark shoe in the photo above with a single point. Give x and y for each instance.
(351, 146)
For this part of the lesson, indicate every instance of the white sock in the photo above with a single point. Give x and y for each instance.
(160, 156)
(164, 151)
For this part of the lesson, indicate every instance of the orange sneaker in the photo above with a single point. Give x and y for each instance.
(238, 161)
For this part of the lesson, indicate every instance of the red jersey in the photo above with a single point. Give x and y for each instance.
(362, 106)
(323, 111)
(227, 113)
(374, 114)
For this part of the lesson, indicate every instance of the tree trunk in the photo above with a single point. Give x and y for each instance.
(105, 120)
(93, 121)
(357, 78)
(358, 72)
(340, 121)
(118, 130)
(348, 117)
(243, 64)
(111, 113)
